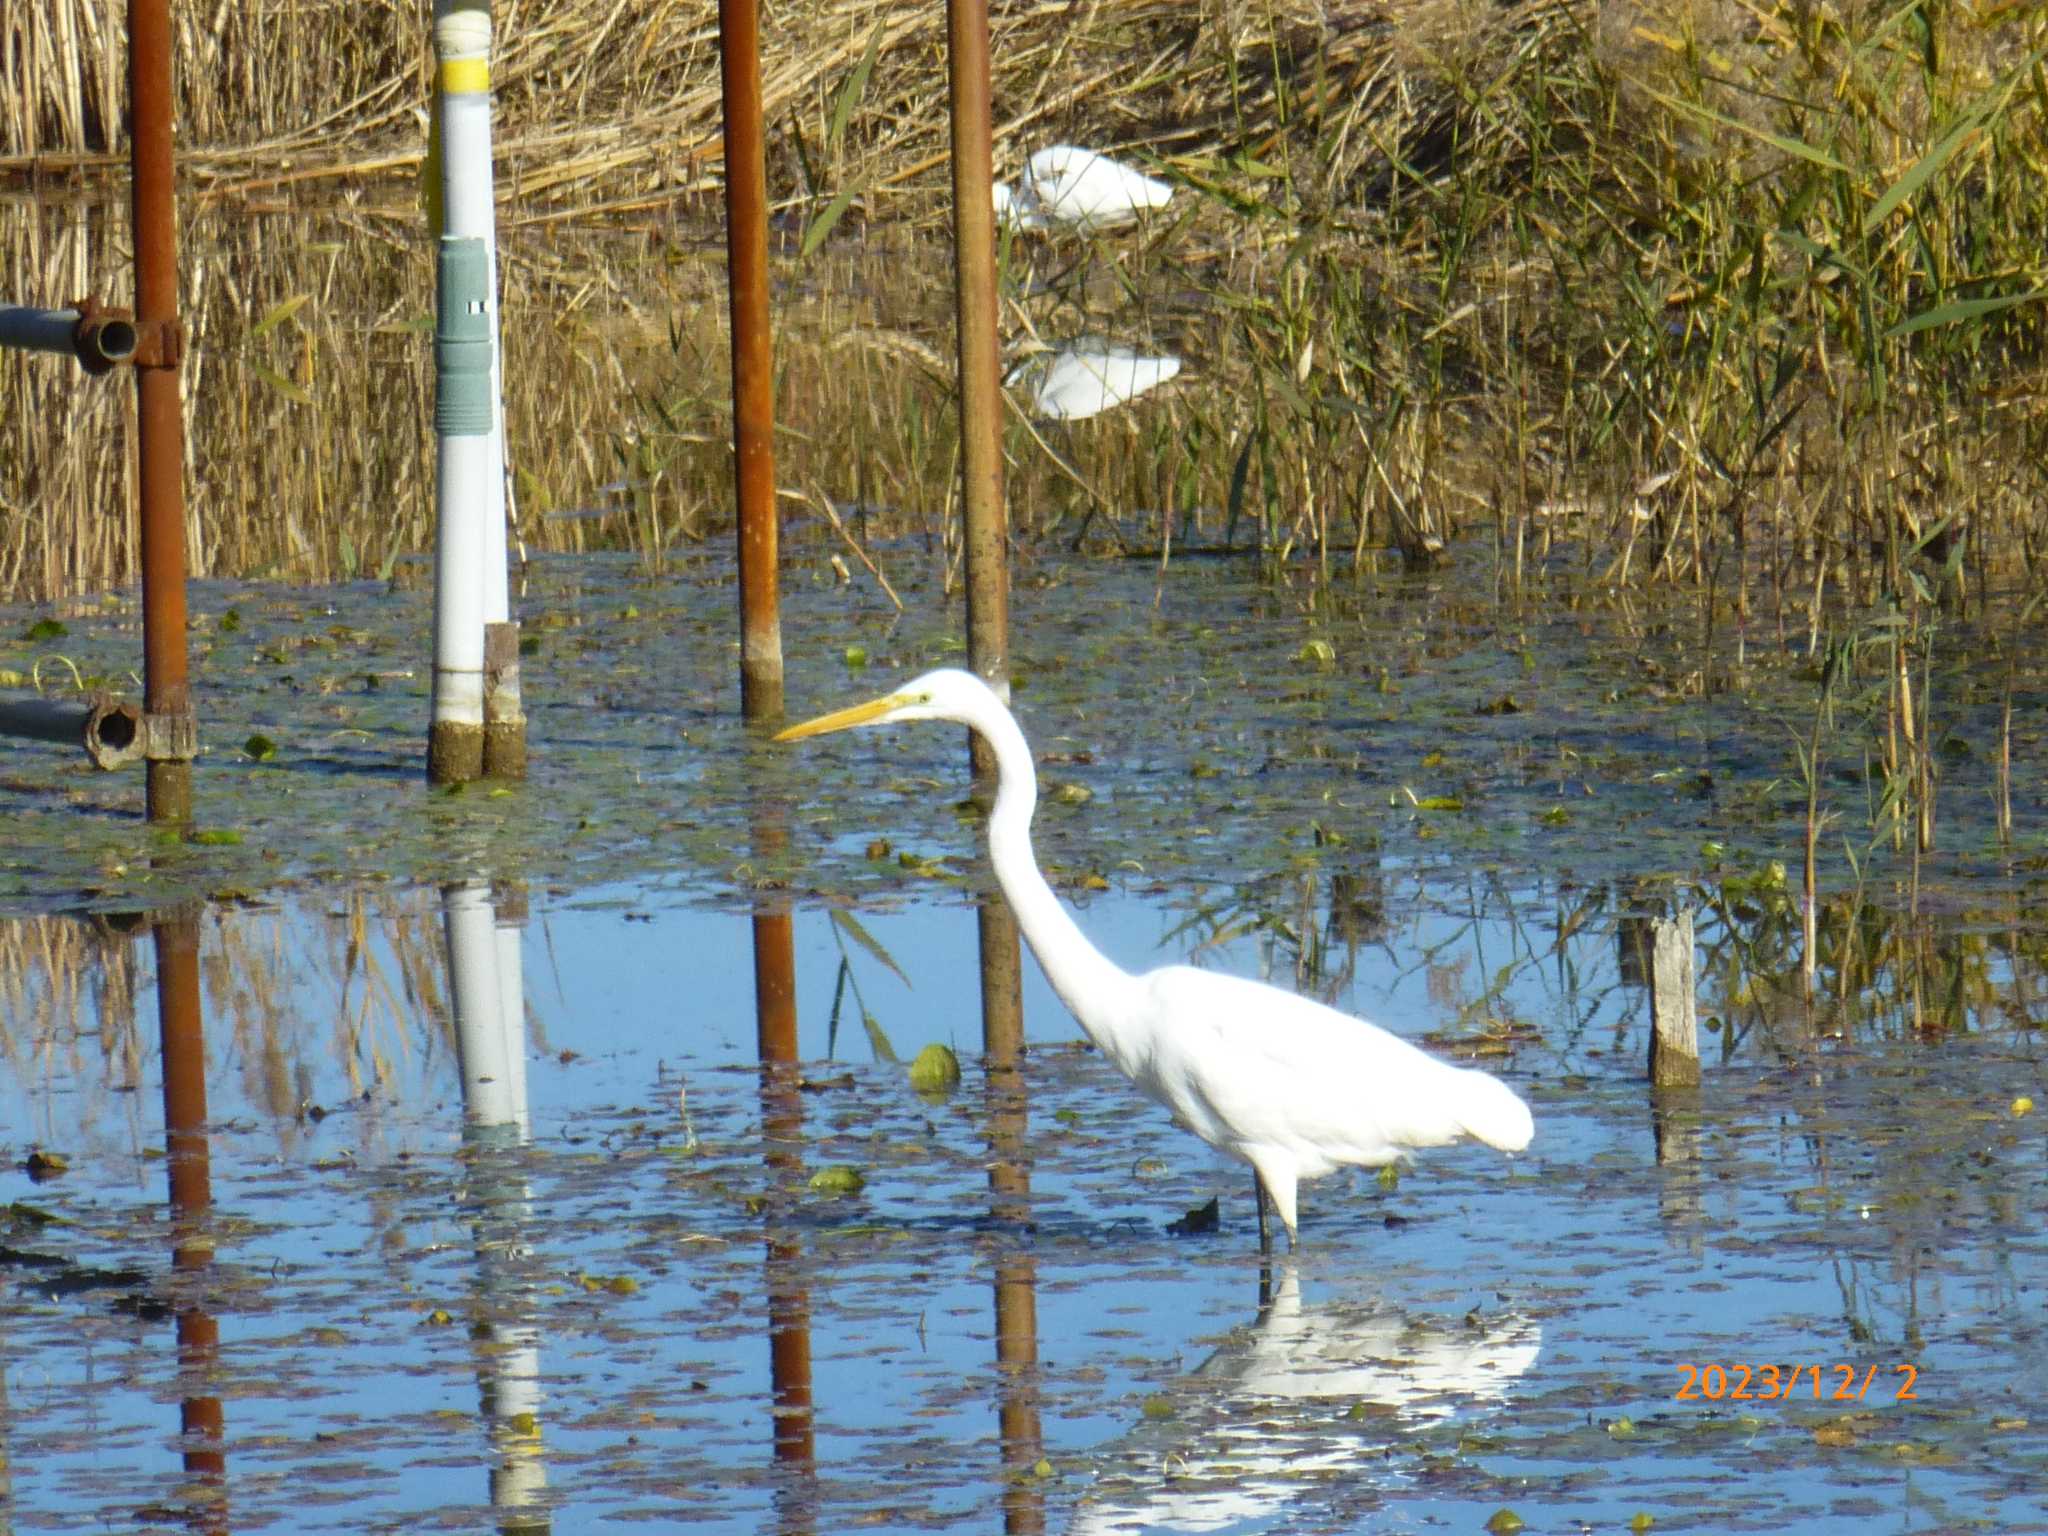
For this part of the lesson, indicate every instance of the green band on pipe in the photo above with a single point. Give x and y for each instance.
(462, 340)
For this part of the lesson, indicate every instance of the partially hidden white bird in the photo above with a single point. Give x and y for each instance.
(1278, 1080)
(1064, 184)
(1086, 377)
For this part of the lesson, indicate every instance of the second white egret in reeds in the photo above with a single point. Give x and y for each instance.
(1280, 1081)
(1065, 184)
(1085, 378)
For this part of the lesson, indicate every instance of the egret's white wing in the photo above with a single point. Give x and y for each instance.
(1246, 1064)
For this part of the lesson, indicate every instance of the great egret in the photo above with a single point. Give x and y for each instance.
(1065, 184)
(1292, 1087)
(1087, 377)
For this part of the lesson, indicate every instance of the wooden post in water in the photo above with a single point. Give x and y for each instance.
(981, 472)
(753, 358)
(1674, 1014)
(170, 729)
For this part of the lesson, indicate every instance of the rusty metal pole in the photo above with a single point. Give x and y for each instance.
(753, 359)
(981, 460)
(171, 732)
(981, 402)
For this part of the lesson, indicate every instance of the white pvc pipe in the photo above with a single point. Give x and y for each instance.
(462, 463)
(471, 584)
(462, 43)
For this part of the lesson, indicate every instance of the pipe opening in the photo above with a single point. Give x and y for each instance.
(117, 340)
(119, 730)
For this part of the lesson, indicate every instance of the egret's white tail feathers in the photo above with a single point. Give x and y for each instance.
(1492, 1111)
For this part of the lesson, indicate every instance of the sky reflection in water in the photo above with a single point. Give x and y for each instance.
(417, 1323)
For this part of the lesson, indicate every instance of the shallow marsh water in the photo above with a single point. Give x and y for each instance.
(427, 1323)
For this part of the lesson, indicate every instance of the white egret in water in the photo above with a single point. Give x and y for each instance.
(1292, 1087)
(1068, 185)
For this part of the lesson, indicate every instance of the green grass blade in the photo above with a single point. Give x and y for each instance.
(1795, 147)
(279, 313)
(850, 925)
(1923, 168)
(850, 93)
(1960, 309)
(821, 226)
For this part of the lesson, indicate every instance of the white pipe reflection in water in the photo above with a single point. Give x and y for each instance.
(487, 991)
(1084, 378)
(1274, 1413)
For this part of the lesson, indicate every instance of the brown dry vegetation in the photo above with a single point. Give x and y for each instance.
(1694, 291)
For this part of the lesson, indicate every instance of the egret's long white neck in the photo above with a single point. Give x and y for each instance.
(1087, 981)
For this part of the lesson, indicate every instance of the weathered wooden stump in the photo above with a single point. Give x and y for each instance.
(1674, 1015)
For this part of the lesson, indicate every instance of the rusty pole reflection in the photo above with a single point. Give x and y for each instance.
(189, 1166)
(1016, 1301)
(170, 732)
(782, 1133)
(753, 360)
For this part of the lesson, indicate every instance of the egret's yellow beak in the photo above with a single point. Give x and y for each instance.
(842, 719)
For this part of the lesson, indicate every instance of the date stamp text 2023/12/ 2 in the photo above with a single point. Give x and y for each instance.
(1753, 1383)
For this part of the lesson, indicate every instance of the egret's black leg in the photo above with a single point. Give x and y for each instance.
(1259, 1200)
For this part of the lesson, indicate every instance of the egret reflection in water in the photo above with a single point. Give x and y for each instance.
(1302, 1393)
(1086, 377)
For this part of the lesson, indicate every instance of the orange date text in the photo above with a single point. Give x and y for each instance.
(1747, 1383)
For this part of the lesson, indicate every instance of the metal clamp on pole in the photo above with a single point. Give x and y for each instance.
(170, 738)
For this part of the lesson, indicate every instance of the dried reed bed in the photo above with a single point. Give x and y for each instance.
(602, 107)
(1687, 291)
(309, 445)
